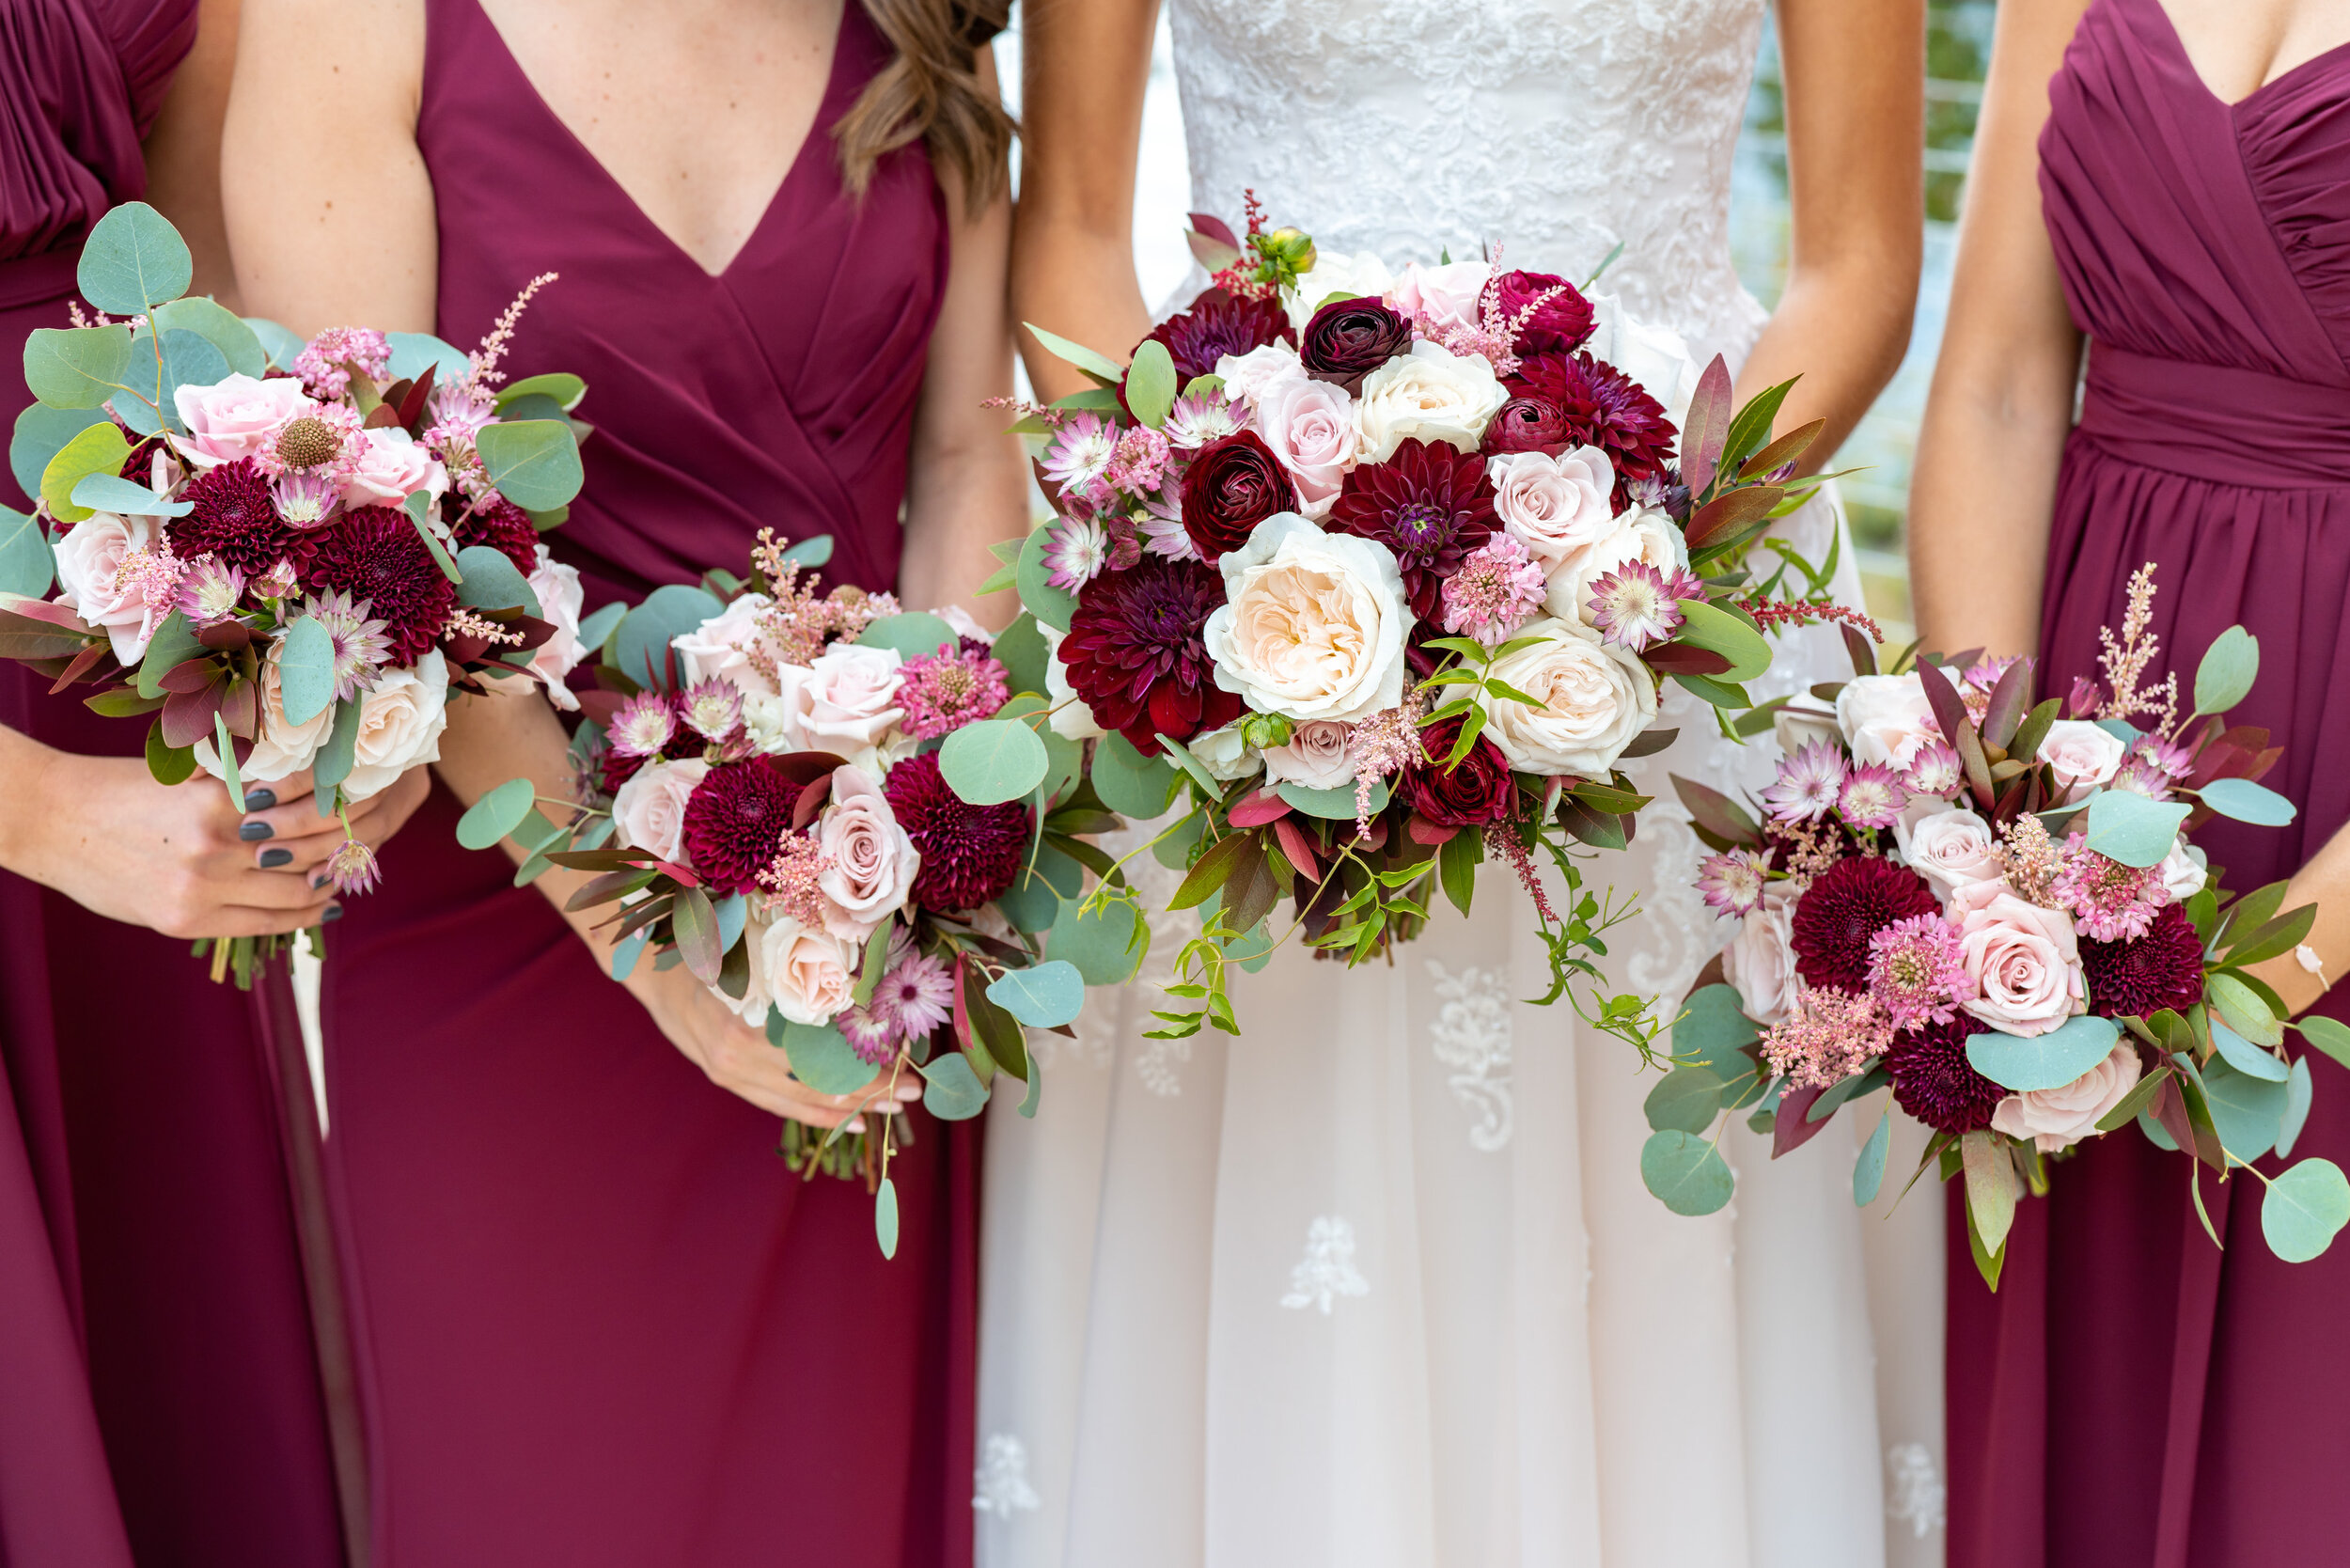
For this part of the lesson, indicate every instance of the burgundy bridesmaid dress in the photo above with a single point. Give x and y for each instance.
(2134, 1396)
(150, 1287)
(597, 1322)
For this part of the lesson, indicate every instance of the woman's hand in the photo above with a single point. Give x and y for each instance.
(738, 1059)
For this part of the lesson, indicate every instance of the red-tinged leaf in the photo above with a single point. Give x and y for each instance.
(680, 875)
(610, 885)
(1250, 894)
(383, 416)
(192, 676)
(1255, 810)
(598, 859)
(1647, 744)
(1706, 431)
(1720, 820)
(2261, 763)
(1378, 838)
(32, 642)
(2009, 699)
(1680, 658)
(1725, 514)
(187, 716)
(534, 632)
(465, 648)
(1421, 831)
(634, 917)
(1297, 848)
(79, 667)
(242, 707)
(47, 612)
(412, 403)
(1210, 253)
(1786, 449)
(1789, 1130)
(1213, 227)
(2219, 759)
(963, 1035)
(804, 767)
(814, 796)
(1857, 645)
(694, 924)
(601, 706)
(1599, 829)
(1209, 871)
(1949, 714)
(227, 636)
(1977, 766)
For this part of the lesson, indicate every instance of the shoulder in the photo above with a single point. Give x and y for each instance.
(335, 56)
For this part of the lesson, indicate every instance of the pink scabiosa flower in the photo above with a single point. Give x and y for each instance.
(1498, 589)
(642, 726)
(1198, 419)
(1137, 465)
(1080, 454)
(1075, 552)
(1636, 604)
(1870, 796)
(1830, 1036)
(1933, 770)
(324, 363)
(713, 709)
(1917, 972)
(2112, 902)
(304, 500)
(360, 646)
(1808, 784)
(916, 997)
(943, 691)
(1732, 881)
(1161, 526)
(209, 590)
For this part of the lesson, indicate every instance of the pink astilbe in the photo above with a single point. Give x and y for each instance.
(1498, 589)
(1732, 881)
(1872, 796)
(797, 622)
(484, 360)
(1808, 783)
(326, 361)
(1830, 1036)
(1495, 333)
(788, 882)
(2125, 659)
(1809, 849)
(1386, 743)
(943, 691)
(2113, 902)
(464, 623)
(2029, 859)
(152, 577)
(1917, 971)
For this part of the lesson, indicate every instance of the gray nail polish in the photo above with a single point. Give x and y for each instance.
(334, 912)
(319, 881)
(253, 832)
(273, 858)
(260, 799)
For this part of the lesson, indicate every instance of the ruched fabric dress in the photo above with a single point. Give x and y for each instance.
(152, 1318)
(597, 1321)
(2134, 1396)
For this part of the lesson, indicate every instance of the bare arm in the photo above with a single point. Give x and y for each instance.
(1856, 120)
(968, 484)
(1086, 64)
(183, 149)
(1984, 492)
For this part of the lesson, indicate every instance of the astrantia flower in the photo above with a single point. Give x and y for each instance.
(1198, 419)
(375, 555)
(2141, 775)
(916, 997)
(1138, 462)
(735, 823)
(499, 522)
(711, 709)
(1075, 551)
(1983, 674)
(2113, 902)
(944, 692)
(278, 582)
(235, 517)
(1497, 589)
(1161, 527)
(209, 590)
(1079, 454)
(2162, 968)
(352, 868)
(360, 646)
(1916, 971)
(1872, 796)
(1808, 783)
(970, 853)
(1933, 770)
(1847, 904)
(1135, 653)
(1732, 881)
(868, 1035)
(1634, 605)
(642, 726)
(1218, 324)
(458, 410)
(2173, 757)
(304, 500)
(1430, 505)
(1831, 1035)
(1933, 1081)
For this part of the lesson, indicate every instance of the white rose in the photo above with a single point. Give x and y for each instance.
(1310, 427)
(1246, 375)
(1362, 275)
(1313, 625)
(237, 418)
(2059, 1117)
(400, 720)
(1072, 719)
(1796, 727)
(1656, 357)
(91, 582)
(391, 467)
(720, 648)
(1950, 849)
(649, 811)
(1315, 758)
(1555, 506)
(811, 973)
(1760, 961)
(1428, 394)
(871, 863)
(283, 749)
(560, 601)
(1447, 296)
(1224, 753)
(2183, 871)
(1595, 700)
(1640, 535)
(844, 701)
(1886, 719)
(2085, 757)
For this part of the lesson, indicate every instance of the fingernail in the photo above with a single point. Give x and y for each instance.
(856, 1123)
(909, 1091)
(334, 912)
(253, 832)
(274, 857)
(318, 881)
(260, 799)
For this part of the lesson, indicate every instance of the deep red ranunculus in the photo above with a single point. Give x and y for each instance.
(1562, 400)
(1559, 325)
(1234, 484)
(1549, 403)
(1133, 652)
(1428, 504)
(1477, 793)
(1217, 325)
(1347, 340)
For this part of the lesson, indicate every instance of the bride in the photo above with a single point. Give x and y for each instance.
(1377, 1282)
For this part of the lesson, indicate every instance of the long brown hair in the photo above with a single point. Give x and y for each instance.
(930, 91)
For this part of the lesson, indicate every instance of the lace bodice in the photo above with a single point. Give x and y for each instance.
(1554, 129)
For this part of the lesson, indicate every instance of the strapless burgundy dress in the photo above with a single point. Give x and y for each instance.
(2133, 1397)
(597, 1322)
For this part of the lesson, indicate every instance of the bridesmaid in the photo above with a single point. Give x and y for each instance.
(597, 1322)
(2175, 195)
(151, 1291)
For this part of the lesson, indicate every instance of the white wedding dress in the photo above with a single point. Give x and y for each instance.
(1377, 1285)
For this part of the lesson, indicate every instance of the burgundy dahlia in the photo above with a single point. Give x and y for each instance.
(1559, 401)
(2163, 968)
(235, 518)
(499, 522)
(375, 553)
(970, 853)
(1933, 1081)
(735, 821)
(1232, 486)
(1133, 652)
(1217, 325)
(1629, 425)
(1845, 905)
(1429, 504)
(1477, 793)
(1347, 340)
(1559, 325)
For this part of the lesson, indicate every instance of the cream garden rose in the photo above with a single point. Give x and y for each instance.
(1641, 535)
(2027, 963)
(1595, 700)
(2059, 1117)
(811, 973)
(1950, 849)
(2084, 755)
(2183, 871)
(1313, 624)
(400, 720)
(1315, 757)
(560, 601)
(649, 811)
(391, 467)
(871, 863)
(1247, 376)
(720, 648)
(1223, 753)
(1886, 719)
(1555, 506)
(844, 700)
(1656, 357)
(1072, 719)
(1430, 395)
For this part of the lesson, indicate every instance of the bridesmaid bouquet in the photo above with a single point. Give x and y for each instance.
(1382, 571)
(848, 820)
(1995, 910)
(286, 552)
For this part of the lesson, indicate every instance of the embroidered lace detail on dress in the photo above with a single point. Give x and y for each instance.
(1471, 1036)
(999, 1483)
(1916, 1495)
(1327, 1270)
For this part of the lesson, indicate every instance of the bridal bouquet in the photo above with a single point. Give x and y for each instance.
(1994, 909)
(286, 552)
(1386, 570)
(848, 820)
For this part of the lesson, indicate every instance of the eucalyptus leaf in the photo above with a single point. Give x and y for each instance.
(334, 758)
(489, 582)
(2300, 1093)
(641, 651)
(496, 814)
(2229, 668)
(27, 566)
(1332, 805)
(172, 646)
(306, 671)
(187, 360)
(2247, 802)
(534, 462)
(1045, 998)
(41, 432)
(627, 951)
(886, 1217)
(1711, 1028)
(224, 752)
(76, 367)
(132, 261)
(596, 628)
(1687, 1097)
(2048, 1060)
(2244, 1057)
(2246, 1112)
(993, 761)
(2305, 1209)
(1107, 945)
(221, 327)
(414, 352)
(1020, 648)
(2329, 1035)
(953, 1091)
(98, 449)
(733, 912)
(279, 343)
(1052, 606)
(1868, 1171)
(815, 550)
(124, 497)
(914, 633)
(1151, 383)
(821, 1056)
(2128, 828)
(1686, 1173)
(564, 389)
(1033, 901)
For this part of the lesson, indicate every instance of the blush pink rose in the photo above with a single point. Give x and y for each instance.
(2025, 963)
(871, 863)
(237, 418)
(1555, 506)
(1310, 427)
(1315, 757)
(1447, 296)
(561, 598)
(845, 700)
(649, 811)
(98, 579)
(811, 973)
(391, 467)
(2085, 757)
(1950, 849)
(2059, 1117)
(720, 649)
(1760, 961)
